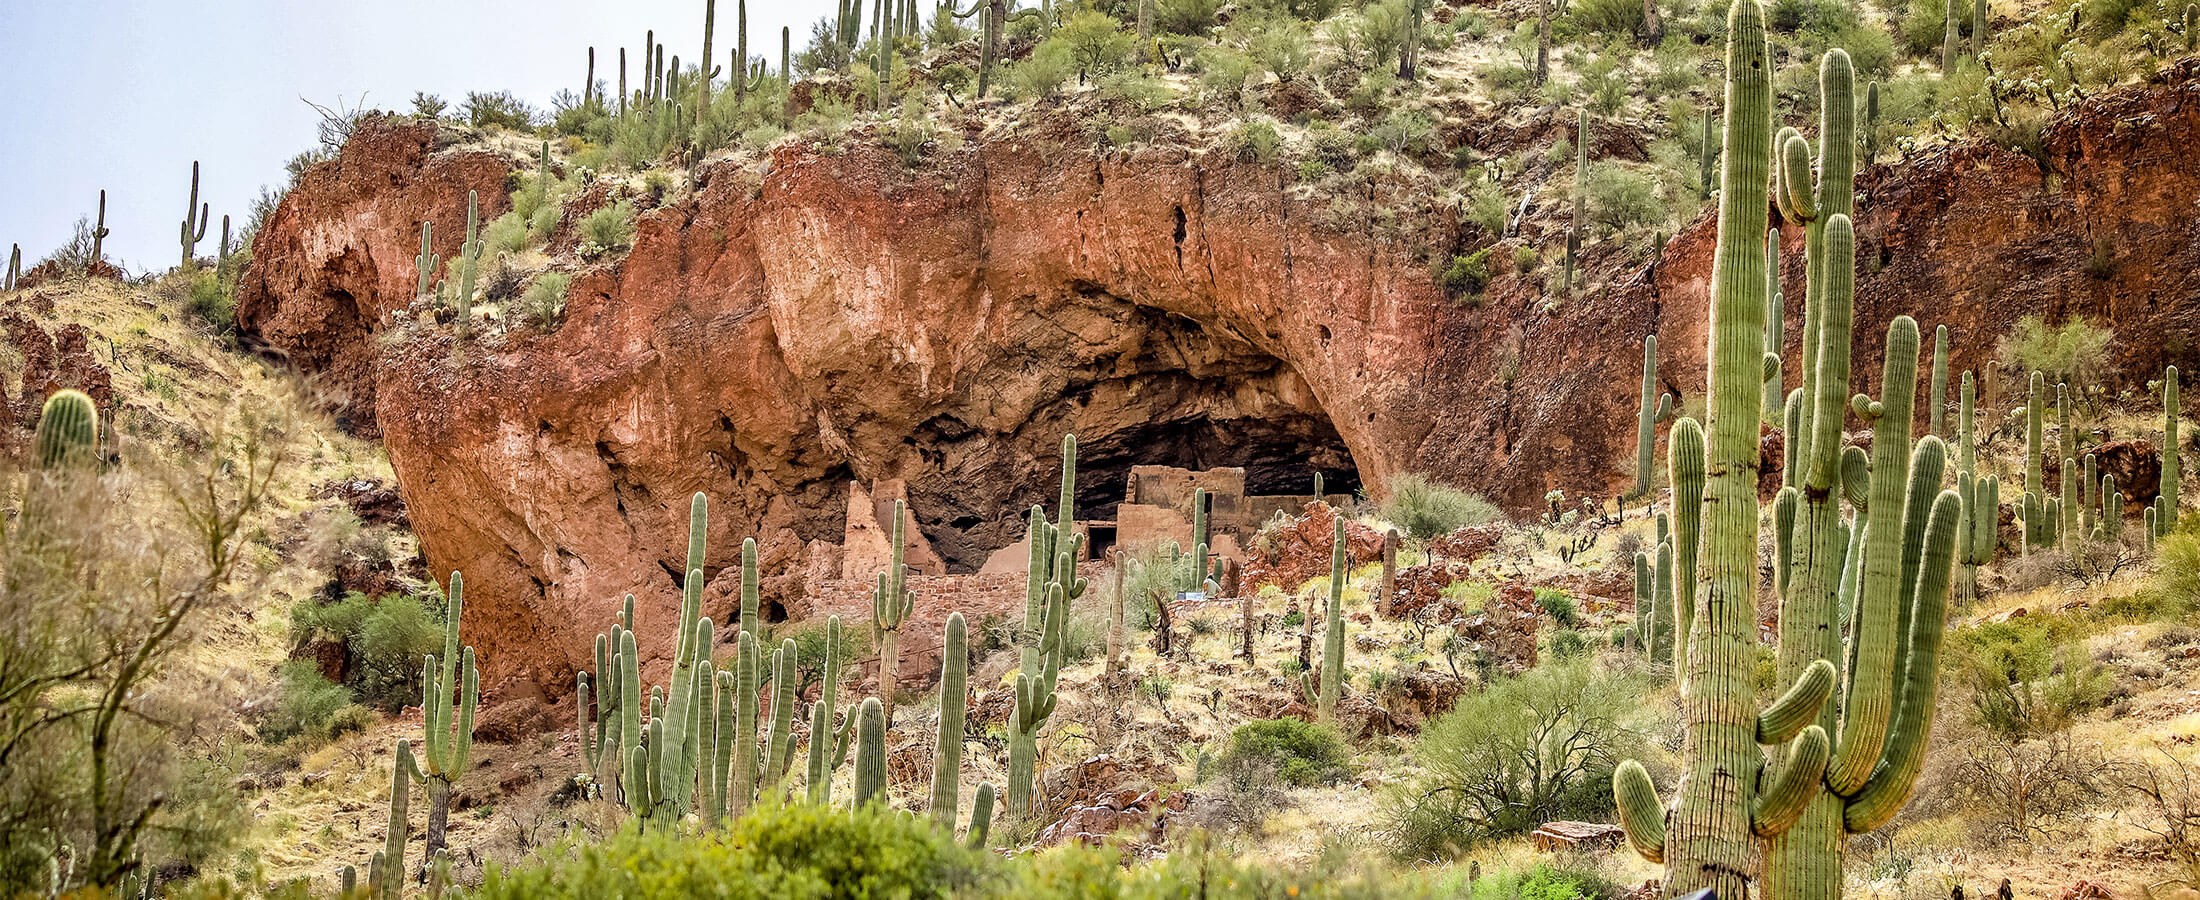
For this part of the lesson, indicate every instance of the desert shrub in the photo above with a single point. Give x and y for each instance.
(1487, 208)
(1280, 45)
(2075, 352)
(607, 229)
(2177, 569)
(498, 110)
(383, 641)
(427, 105)
(1467, 275)
(1042, 75)
(1141, 92)
(545, 298)
(1255, 140)
(1096, 42)
(211, 301)
(1617, 18)
(506, 234)
(305, 702)
(1186, 16)
(1546, 881)
(1380, 28)
(1298, 752)
(1559, 606)
(1427, 509)
(777, 850)
(1519, 753)
(2028, 790)
(1621, 198)
(2028, 676)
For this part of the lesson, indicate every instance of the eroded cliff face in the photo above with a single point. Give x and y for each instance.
(790, 325)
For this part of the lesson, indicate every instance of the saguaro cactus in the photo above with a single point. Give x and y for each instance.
(425, 264)
(871, 753)
(444, 751)
(15, 265)
(1325, 694)
(2173, 470)
(2035, 482)
(954, 699)
(1656, 408)
(386, 872)
(890, 605)
(1711, 837)
(469, 261)
(68, 431)
(1775, 323)
(1685, 452)
(828, 745)
(99, 234)
(194, 220)
(1938, 387)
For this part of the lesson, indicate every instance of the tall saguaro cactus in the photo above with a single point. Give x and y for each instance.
(1685, 449)
(469, 261)
(425, 264)
(99, 234)
(1727, 807)
(386, 871)
(828, 744)
(2173, 471)
(1938, 388)
(954, 700)
(890, 605)
(2035, 482)
(194, 220)
(1656, 408)
(444, 751)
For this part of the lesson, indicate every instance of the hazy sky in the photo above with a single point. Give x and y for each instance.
(124, 94)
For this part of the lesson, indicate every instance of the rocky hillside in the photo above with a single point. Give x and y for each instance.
(822, 313)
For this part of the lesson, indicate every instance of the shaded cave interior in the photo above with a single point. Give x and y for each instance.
(1175, 393)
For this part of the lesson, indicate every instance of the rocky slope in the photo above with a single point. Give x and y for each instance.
(828, 314)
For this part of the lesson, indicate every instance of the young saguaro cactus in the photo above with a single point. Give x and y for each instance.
(68, 431)
(386, 872)
(194, 220)
(469, 261)
(99, 233)
(1937, 408)
(444, 751)
(425, 264)
(1656, 408)
(2173, 471)
(1726, 809)
(828, 745)
(2035, 482)
(1325, 694)
(890, 605)
(871, 753)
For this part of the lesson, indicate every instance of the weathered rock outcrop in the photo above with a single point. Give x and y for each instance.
(791, 326)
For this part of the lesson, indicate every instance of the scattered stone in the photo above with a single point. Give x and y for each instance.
(1554, 837)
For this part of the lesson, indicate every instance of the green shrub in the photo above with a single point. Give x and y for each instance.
(2075, 352)
(1616, 18)
(1547, 881)
(1096, 42)
(498, 110)
(1300, 753)
(545, 298)
(1560, 607)
(794, 850)
(2028, 676)
(211, 301)
(1426, 509)
(383, 641)
(1042, 75)
(1186, 16)
(506, 234)
(1281, 45)
(1621, 198)
(2176, 578)
(1467, 275)
(607, 229)
(1522, 752)
(1255, 140)
(305, 703)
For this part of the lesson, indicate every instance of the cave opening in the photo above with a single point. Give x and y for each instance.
(1166, 390)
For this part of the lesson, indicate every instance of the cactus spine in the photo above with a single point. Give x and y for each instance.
(1656, 408)
(890, 604)
(444, 751)
(1324, 694)
(194, 220)
(871, 753)
(68, 431)
(954, 698)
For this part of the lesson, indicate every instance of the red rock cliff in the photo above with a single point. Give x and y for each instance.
(780, 330)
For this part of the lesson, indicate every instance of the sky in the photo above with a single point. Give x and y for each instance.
(123, 95)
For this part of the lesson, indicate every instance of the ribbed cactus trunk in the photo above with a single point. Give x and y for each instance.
(1685, 452)
(446, 752)
(2172, 466)
(1775, 326)
(1646, 419)
(1332, 686)
(947, 744)
(1709, 841)
(68, 431)
(890, 605)
(1937, 402)
(871, 753)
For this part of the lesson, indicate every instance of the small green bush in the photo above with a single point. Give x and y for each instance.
(1560, 607)
(498, 110)
(211, 301)
(1186, 16)
(545, 298)
(608, 229)
(506, 234)
(1096, 42)
(305, 703)
(1255, 140)
(1301, 753)
(1615, 18)
(2075, 352)
(796, 850)
(1467, 275)
(1621, 198)
(2029, 676)
(383, 641)
(1426, 509)
(1042, 75)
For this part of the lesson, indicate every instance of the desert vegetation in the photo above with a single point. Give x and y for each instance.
(1923, 634)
